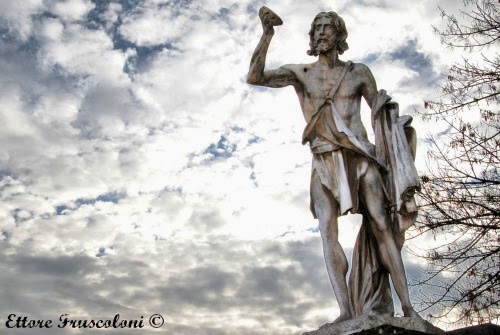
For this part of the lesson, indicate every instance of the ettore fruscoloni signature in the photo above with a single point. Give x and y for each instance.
(66, 321)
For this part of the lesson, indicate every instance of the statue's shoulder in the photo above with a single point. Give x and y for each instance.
(360, 68)
(301, 72)
(361, 72)
(298, 68)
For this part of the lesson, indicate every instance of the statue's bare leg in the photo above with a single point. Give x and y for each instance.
(326, 209)
(372, 196)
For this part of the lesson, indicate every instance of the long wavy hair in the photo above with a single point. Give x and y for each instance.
(339, 25)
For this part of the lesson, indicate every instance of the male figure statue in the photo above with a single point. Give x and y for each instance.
(346, 173)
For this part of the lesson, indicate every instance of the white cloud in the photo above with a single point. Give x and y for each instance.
(82, 52)
(112, 14)
(70, 10)
(18, 16)
(150, 24)
(137, 177)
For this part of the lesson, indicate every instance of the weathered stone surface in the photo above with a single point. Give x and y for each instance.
(378, 325)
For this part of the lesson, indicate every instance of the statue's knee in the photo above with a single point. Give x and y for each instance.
(381, 226)
(372, 178)
(328, 230)
(323, 227)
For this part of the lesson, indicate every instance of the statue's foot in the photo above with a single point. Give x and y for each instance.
(411, 313)
(342, 318)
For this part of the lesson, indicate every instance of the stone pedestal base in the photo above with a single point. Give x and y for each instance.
(378, 325)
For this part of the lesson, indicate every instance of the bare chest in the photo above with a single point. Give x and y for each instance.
(319, 84)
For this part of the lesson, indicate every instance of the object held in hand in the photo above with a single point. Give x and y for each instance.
(271, 16)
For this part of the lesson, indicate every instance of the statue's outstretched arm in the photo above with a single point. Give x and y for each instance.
(280, 77)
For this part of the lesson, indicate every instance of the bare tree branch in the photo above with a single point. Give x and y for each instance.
(460, 193)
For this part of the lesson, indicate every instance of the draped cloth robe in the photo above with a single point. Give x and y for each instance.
(394, 154)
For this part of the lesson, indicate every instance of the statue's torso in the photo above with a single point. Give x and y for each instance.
(314, 84)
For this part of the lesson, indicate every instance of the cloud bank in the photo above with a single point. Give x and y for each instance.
(140, 174)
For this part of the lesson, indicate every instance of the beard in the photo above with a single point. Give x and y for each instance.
(324, 45)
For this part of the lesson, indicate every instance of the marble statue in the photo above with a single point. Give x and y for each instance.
(349, 173)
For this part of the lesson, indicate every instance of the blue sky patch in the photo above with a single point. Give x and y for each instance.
(223, 149)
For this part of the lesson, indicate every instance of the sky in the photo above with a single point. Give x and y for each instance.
(141, 175)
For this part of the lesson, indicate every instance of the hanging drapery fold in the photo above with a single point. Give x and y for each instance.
(395, 139)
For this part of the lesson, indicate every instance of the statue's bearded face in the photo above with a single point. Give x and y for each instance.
(325, 34)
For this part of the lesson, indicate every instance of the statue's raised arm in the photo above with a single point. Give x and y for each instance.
(256, 75)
